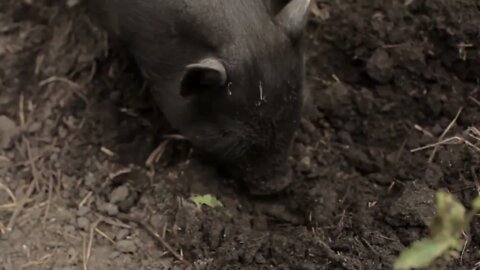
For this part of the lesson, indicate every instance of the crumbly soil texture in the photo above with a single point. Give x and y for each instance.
(92, 176)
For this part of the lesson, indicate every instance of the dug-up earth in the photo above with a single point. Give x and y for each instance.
(91, 177)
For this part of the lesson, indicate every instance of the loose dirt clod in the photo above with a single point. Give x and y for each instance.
(119, 194)
(126, 246)
(8, 129)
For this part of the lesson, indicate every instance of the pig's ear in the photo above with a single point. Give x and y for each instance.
(293, 17)
(202, 76)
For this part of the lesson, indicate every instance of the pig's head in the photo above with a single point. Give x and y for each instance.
(240, 103)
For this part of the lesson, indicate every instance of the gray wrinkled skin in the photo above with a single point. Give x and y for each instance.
(247, 123)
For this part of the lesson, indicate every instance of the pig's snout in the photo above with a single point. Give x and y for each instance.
(262, 182)
(269, 184)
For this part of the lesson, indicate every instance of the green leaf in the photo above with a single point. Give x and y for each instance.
(423, 253)
(207, 200)
(476, 204)
(450, 219)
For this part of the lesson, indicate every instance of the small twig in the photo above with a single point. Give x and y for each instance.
(33, 168)
(474, 133)
(49, 200)
(432, 145)
(475, 180)
(116, 174)
(335, 77)
(107, 151)
(20, 206)
(31, 188)
(8, 206)
(452, 123)
(21, 110)
(175, 137)
(112, 222)
(475, 130)
(75, 86)
(9, 192)
(2, 228)
(93, 228)
(465, 244)
(84, 252)
(472, 145)
(457, 140)
(84, 200)
(424, 131)
(92, 72)
(111, 176)
(338, 259)
(162, 241)
(41, 261)
(476, 101)
(104, 235)
(156, 154)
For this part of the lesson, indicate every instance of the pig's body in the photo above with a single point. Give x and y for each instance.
(227, 73)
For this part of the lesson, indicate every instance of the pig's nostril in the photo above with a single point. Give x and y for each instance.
(260, 181)
(271, 185)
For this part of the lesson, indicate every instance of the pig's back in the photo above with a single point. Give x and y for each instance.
(164, 35)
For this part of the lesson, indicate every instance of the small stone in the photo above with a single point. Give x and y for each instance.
(111, 209)
(119, 194)
(82, 211)
(433, 175)
(335, 99)
(65, 215)
(15, 235)
(380, 66)
(414, 208)
(34, 127)
(260, 259)
(307, 266)
(62, 132)
(157, 221)
(126, 246)
(8, 130)
(83, 223)
(308, 126)
(72, 3)
(114, 255)
(344, 137)
(69, 228)
(72, 253)
(90, 179)
(305, 164)
(122, 234)
(127, 204)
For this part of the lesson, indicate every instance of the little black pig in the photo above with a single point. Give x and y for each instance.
(228, 74)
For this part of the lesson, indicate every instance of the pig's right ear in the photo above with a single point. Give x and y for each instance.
(205, 75)
(292, 16)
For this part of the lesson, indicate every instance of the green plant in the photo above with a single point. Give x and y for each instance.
(445, 234)
(207, 200)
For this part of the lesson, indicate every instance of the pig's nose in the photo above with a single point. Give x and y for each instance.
(269, 185)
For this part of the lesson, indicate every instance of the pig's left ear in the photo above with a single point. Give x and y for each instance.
(203, 76)
(293, 17)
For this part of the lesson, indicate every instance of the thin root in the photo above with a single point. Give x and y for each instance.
(452, 123)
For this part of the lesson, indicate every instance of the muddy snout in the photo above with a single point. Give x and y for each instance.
(270, 184)
(261, 182)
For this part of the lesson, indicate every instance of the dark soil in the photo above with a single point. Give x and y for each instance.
(76, 128)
